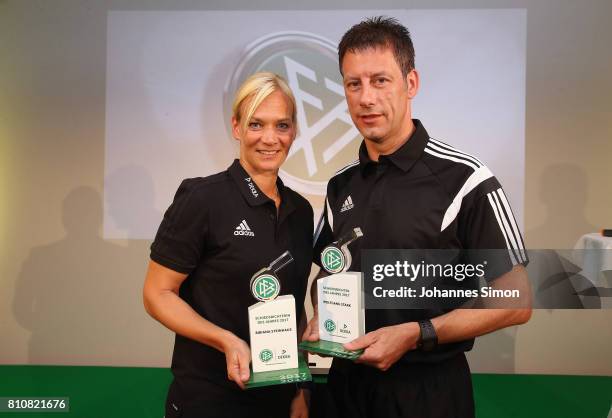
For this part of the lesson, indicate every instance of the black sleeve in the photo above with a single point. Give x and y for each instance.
(181, 236)
(489, 226)
(323, 235)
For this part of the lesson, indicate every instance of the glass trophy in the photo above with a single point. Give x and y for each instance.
(340, 302)
(275, 358)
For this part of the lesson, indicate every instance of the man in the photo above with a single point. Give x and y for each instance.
(408, 190)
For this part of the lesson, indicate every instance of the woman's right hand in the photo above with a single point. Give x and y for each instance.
(237, 359)
(311, 333)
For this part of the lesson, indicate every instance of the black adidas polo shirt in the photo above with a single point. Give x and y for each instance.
(426, 195)
(220, 230)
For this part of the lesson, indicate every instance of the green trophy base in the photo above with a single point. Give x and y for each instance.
(329, 348)
(281, 377)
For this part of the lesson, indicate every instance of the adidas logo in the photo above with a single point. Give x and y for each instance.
(243, 229)
(348, 204)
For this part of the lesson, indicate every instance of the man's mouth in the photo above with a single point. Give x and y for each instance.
(370, 117)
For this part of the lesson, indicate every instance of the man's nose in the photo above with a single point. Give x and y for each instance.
(368, 96)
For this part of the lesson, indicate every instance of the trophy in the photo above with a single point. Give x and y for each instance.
(273, 331)
(340, 307)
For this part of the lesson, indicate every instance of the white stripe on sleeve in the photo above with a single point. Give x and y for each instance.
(431, 151)
(517, 232)
(477, 177)
(501, 227)
(330, 215)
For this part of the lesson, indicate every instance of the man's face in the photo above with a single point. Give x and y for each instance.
(377, 94)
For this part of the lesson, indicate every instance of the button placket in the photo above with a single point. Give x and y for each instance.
(378, 186)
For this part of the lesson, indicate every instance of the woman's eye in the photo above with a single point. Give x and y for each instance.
(283, 126)
(254, 125)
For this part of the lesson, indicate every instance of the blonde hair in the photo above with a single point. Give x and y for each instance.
(256, 89)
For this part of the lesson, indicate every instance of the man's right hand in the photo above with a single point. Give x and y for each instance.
(237, 359)
(311, 333)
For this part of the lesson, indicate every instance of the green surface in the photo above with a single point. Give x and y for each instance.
(329, 348)
(281, 377)
(94, 392)
(117, 392)
(526, 396)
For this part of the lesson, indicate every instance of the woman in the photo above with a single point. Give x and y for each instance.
(217, 233)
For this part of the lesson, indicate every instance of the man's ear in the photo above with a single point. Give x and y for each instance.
(412, 81)
(235, 128)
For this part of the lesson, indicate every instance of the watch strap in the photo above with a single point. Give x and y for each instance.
(428, 339)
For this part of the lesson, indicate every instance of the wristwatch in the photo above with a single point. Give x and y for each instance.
(428, 339)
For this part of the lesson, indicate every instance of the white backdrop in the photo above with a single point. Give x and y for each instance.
(170, 76)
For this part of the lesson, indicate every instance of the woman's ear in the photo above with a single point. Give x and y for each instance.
(235, 128)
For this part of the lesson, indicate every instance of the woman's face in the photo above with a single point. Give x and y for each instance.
(265, 142)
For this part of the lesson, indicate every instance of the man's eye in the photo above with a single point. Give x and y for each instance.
(352, 84)
(381, 81)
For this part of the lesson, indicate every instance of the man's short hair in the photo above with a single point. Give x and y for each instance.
(380, 32)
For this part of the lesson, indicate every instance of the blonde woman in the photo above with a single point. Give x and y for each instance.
(217, 233)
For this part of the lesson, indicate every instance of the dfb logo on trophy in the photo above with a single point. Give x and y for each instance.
(340, 301)
(273, 330)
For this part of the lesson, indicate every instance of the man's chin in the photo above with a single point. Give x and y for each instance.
(373, 135)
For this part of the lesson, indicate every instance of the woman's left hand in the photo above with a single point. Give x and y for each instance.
(299, 404)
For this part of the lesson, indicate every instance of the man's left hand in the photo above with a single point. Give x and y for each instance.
(386, 345)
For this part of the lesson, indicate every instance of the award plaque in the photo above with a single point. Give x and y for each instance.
(273, 331)
(340, 308)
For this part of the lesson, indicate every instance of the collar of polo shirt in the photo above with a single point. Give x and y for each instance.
(405, 156)
(253, 194)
